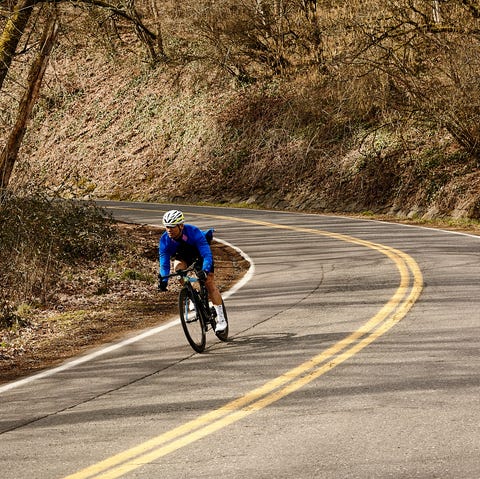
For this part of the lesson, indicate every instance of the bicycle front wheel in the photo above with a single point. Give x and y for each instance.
(192, 320)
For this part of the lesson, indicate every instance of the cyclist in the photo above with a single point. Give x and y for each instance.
(186, 244)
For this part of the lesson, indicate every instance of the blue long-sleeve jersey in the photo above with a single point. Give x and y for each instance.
(192, 236)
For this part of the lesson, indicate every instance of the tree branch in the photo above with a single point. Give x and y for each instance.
(117, 11)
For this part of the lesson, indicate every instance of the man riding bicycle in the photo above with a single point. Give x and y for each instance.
(187, 244)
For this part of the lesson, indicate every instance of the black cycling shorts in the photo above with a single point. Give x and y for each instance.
(189, 254)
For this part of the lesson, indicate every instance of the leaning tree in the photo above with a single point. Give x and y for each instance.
(20, 19)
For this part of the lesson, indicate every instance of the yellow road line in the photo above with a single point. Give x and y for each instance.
(408, 291)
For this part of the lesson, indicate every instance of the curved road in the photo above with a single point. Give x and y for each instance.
(355, 353)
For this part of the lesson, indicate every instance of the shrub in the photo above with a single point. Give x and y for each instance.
(40, 236)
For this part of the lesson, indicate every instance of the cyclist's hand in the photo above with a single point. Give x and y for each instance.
(202, 275)
(162, 284)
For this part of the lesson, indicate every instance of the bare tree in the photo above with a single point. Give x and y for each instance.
(13, 31)
(252, 39)
(10, 151)
(158, 25)
(428, 55)
(14, 28)
(19, 16)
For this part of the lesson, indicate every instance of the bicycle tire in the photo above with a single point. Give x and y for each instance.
(223, 335)
(192, 320)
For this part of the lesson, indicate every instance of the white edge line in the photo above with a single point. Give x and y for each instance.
(149, 332)
(431, 228)
(248, 275)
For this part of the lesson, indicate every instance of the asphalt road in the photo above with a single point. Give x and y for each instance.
(354, 353)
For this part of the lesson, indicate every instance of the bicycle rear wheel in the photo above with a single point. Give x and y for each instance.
(192, 320)
(223, 335)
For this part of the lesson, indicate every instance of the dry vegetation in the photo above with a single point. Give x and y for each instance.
(344, 106)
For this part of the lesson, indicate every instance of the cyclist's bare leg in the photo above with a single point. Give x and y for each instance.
(216, 298)
(179, 264)
(213, 292)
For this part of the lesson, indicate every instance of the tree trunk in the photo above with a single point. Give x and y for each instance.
(156, 16)
(144, 35)
(12, 33)
(9, 154)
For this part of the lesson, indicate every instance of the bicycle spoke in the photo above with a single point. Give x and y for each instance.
(192, 322)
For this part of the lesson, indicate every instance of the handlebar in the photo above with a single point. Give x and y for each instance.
(183, 273)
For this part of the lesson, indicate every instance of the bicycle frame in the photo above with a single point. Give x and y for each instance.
(196, 315)
(203, 301)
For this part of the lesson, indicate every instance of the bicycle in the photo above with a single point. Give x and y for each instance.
(196, 314)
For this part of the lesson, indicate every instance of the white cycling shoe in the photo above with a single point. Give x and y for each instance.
(221, 325)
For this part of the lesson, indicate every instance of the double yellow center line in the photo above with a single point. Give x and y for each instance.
(394, 310)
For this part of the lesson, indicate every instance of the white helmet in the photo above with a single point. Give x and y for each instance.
(173, 218)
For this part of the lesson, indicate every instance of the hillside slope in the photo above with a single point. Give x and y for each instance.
(113, 127)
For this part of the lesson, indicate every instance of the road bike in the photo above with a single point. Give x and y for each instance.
(197, 314)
